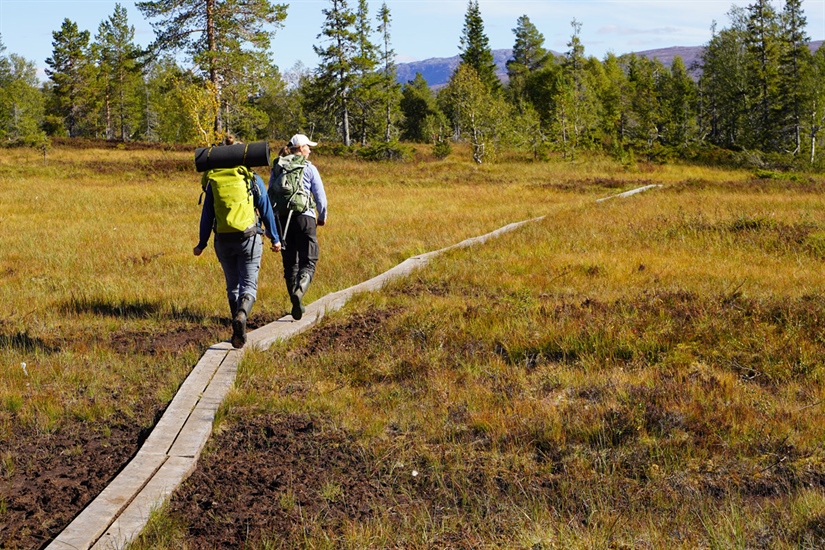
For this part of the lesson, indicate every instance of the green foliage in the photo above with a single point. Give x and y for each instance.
(382, 150)
(120, 73)
(228, 40)
(475, 48)
(21, 103)
(70, 71)
(442, 148)
(328, 96)
(417, 104)
(479, 115)
(529, 55)
(760, 89)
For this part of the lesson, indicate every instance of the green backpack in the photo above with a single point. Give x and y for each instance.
(232, 190)
(286, 191)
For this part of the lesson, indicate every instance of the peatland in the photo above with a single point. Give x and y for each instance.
(636, 373)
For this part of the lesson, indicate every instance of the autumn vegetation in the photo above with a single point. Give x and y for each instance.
(640, 372)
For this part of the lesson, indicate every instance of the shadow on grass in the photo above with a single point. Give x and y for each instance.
(139, 309)
(21, 341)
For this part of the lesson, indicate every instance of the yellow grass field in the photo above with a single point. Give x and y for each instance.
(635, 373)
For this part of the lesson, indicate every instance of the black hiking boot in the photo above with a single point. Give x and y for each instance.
(297, 295)
(239, 321)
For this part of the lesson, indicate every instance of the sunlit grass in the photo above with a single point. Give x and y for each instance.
(643, 371)
(636, 373)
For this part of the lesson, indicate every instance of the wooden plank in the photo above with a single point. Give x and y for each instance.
(131, 522)
(103, 510)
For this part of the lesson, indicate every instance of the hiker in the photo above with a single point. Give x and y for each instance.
(242, 202)
(300, 203)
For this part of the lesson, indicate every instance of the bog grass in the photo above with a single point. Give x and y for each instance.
(637, 373)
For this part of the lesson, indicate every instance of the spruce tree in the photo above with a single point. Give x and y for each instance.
(762, 41)
(390, 90)
(228, 40)
(723, 86)
(795, 65)
(475, 48)
(417, 104)
(365, 100)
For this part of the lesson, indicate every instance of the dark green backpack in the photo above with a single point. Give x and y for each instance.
(286, 191)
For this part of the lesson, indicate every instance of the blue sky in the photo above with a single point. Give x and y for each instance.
(422, 29)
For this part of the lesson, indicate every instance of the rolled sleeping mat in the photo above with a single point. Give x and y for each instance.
(230, 156)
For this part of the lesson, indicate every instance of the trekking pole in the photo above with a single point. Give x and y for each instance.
(286, 227)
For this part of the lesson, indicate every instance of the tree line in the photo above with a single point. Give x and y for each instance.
(757, 87)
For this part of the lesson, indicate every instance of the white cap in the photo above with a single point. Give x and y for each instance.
(299, 140)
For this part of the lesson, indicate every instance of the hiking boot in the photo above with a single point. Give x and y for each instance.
(297, 295)
(239, 321)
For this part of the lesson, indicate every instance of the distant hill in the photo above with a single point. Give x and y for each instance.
(437, 70)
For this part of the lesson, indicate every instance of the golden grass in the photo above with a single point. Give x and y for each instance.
(643, 372)
(638, 373)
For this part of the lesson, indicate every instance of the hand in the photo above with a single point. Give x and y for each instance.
(197, 251)
(322, 222)
(276, 247)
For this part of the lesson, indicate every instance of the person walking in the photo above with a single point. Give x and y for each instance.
(300, 202)
(236, 198)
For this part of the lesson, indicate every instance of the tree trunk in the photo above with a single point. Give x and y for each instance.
(213, 71)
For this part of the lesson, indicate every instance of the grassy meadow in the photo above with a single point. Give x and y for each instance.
(643, 372)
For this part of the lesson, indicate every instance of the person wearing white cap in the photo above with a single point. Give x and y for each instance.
(300, 204)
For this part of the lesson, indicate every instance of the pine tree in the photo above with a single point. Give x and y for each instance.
(228, 40)
(335, 76)
(69, 71)
(120, 69)
(528, 55)
(475, 48)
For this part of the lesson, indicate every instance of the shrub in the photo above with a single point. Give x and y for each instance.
(386, 151)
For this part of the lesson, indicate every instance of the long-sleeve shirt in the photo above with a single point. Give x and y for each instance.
(262, 205)
(312, 183)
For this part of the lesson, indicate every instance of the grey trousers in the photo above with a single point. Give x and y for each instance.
(241, 262)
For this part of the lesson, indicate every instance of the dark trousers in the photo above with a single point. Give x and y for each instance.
(301, 252)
